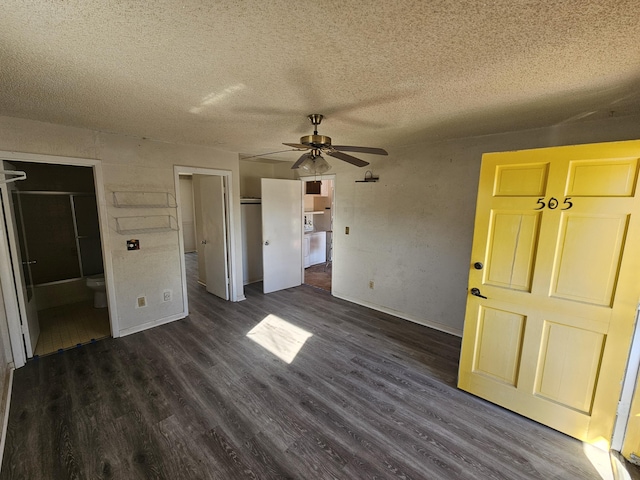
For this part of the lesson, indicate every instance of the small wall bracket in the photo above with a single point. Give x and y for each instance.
(368, 177)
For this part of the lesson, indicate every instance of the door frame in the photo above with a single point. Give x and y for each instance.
(629, 386)
(227, 176)
(7, 281)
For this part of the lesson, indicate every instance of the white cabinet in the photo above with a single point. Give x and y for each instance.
(315, 248)
(306, 248)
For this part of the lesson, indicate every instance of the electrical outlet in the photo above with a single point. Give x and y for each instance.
(167, 295)
(371, 284)
(142, 301)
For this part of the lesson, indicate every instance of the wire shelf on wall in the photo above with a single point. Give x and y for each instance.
(144, 200)
(146, 224)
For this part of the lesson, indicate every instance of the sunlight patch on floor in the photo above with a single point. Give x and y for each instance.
(620, 469)
(279, 337)
(598, 454)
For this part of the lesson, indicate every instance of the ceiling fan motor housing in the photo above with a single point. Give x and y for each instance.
(316, 141)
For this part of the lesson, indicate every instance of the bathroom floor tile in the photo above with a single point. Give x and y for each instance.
(68, 325)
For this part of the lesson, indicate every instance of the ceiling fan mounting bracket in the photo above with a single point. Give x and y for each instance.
(315, 118)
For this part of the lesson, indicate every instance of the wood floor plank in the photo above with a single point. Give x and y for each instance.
(368, 395)
(184, 455)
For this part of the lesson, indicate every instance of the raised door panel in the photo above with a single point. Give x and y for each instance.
(511, 247)
(568, 366)
(602, 178)
(588, 257)
(497, 352)
(529, 179)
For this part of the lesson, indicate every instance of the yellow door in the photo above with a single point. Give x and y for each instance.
(555, 253)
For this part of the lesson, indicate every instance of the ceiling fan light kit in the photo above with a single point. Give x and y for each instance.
(313, 162)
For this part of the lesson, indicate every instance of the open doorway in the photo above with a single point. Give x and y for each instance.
(318, 232)
(204, 215)
(54, 240)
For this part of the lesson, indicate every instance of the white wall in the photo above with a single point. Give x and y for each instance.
(411, 232)
(132, 164)
(252, 171)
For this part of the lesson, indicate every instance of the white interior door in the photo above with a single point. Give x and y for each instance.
(281, 234)
(214, 230)
(21, 264)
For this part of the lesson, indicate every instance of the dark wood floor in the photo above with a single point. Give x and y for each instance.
(367, 396)
(319, 276)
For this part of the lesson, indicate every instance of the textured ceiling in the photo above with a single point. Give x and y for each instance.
(242, 75)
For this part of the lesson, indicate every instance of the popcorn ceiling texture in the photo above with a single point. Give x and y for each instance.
(243, 75)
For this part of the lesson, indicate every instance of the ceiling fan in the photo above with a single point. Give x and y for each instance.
(318, 144)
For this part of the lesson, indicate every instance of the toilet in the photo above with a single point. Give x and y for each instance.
(97, 284)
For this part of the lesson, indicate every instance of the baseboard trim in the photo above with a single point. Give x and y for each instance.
(425, 323)
(5, 406)
(154, 323)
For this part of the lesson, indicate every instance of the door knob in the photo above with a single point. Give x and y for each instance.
(267, 242)
(476, 293)
(478, 265)
(203, 242)
(32, 262)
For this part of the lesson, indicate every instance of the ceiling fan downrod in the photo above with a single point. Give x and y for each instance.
(315, 140)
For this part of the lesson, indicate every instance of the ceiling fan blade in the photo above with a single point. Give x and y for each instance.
(297, 145)
(349, 148)
(270, 153)
(347, 158)
(301, 159)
